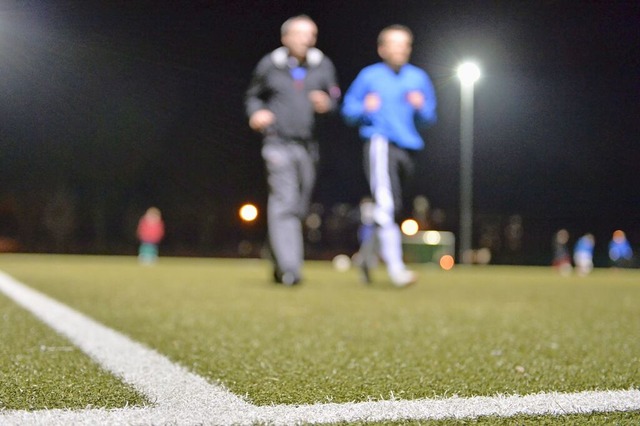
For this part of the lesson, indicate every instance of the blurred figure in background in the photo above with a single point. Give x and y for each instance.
(421, 212)
(367, 258)
(583, 254)
(150, 232)
(561, 255)
(620, 251)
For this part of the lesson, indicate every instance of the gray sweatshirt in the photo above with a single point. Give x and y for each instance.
(282, 85)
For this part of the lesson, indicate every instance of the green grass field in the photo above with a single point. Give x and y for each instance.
(466, 332)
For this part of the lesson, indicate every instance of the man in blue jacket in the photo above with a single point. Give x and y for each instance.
(389, 101)
(290, 87)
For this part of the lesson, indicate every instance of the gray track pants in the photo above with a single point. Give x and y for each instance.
(291, 175)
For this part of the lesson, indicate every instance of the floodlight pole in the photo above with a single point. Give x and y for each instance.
(468, 74)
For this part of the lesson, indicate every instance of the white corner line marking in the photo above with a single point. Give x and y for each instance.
(182, 397)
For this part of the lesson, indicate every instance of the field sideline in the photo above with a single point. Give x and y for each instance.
(461, 344)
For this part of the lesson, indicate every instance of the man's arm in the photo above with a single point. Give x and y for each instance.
(260, 117)
(426, 114)
(253, 99)
(353, 107)
(326, 100)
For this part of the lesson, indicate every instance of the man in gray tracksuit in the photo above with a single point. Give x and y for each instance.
(289, 87)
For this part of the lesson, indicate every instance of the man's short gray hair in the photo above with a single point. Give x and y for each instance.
(287, 24)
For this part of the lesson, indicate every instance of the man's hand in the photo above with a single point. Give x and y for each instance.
(320, 101)
(416, 99)
(372, 102)
(261, 119)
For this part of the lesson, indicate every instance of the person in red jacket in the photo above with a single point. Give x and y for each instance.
(150, 233)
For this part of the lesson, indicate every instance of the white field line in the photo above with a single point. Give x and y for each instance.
(183, 398)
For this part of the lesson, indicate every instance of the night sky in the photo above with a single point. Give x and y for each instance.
(118, 105)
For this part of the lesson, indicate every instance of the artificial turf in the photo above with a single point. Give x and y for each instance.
(587, 419)
(43, 370)
(466, 332)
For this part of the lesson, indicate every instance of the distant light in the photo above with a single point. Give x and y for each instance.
(248, 212)
(409, 227)
(483, 256)
(341, 262)
(313, 221)
(432, 238)
(468, 73)
(447, 262)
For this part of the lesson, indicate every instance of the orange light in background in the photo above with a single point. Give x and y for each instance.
(248, 212)
(447, 262)
(409, 227)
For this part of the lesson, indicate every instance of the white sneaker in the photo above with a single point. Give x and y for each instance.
(403, 278)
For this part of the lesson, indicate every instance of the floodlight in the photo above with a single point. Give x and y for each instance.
(468, 73)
